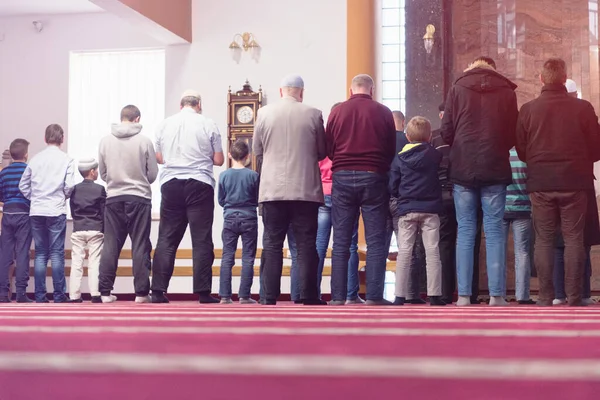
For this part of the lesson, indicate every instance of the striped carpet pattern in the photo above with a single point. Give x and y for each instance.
(184, 350)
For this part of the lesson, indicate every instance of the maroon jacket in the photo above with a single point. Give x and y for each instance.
(361, 136)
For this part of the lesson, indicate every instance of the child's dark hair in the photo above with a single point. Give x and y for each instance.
(86, 174)
(19, 149)
(239, 150)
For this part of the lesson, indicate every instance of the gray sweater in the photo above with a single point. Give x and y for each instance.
(127, 163)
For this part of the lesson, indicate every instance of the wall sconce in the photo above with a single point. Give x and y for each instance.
(246, 42)
(429, 38)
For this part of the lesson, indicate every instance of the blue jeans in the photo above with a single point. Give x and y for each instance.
(466, 202)
(521, 229)
(354, 192)
(49, 237)
(15, 244)
(234, 226)
(559, 274)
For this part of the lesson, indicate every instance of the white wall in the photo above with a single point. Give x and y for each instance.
(309, 40)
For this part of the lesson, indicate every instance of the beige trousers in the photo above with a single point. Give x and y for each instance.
(408, 226)
(93, 241)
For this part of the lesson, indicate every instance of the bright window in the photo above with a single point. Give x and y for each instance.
(393, 54)
(101, 84)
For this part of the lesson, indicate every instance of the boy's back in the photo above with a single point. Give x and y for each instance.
(10, 195)
(87, 206)
(238, 191)
(47, 181)
(415, 181)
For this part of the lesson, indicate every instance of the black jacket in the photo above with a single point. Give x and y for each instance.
(414, 180)
(87, 207)
(559, 138)
(479, 124)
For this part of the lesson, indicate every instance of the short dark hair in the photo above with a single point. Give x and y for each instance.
(19, 149)
(239, 150)
(190, 101)
(442, 107)
(86, 174)
(55, 134)
(488, 60)
(554, 71)
(130, 113)
(335, 105)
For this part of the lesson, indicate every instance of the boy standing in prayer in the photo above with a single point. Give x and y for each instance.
(414, 181)
(87, 209)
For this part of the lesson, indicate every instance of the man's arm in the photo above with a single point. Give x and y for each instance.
(217, 146)
(321, 142)
(592, 130)
(521, 138)
(512, 118)
(447, 128)
(25, 183)
(101, 164)
(158, 144)
(329, 133)
(151, 163)
(69, 179)
(391, 137)
(257, 144)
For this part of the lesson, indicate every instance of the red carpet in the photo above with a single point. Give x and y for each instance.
(184, 350)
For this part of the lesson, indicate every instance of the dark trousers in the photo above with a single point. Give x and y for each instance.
(235, 226)
(448, 232)
(354, 192)
(15, 244)
(567, 210)
(277, 217)
(185, 202)
(559, 274)
(121, 219)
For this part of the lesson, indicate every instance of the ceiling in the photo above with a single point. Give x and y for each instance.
(43, 7)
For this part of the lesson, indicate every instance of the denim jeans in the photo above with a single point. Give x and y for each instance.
(521, 229)
(49, 237)
(15, 244)
(467, 201)
(559, 274)
(236, 225)
(354, 192)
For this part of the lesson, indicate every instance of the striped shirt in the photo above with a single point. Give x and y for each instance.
(10, 195)
(518, 205)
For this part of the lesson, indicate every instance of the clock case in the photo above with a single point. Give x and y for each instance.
(237, 130)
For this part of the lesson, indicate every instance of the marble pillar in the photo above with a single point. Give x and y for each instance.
(520, 35)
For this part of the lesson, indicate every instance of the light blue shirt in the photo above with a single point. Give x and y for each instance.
(48, 182)
(188, 142)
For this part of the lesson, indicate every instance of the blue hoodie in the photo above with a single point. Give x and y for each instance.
(414, 179)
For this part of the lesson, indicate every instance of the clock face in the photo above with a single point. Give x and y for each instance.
(245, 114)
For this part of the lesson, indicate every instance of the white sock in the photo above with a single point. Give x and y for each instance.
(498, 301)
(143, 299)
(463, 301)
(109, 299)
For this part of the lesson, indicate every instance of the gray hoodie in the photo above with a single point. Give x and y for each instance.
(127, 163)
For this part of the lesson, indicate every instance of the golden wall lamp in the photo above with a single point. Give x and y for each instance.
(429, 38)
(243, 42)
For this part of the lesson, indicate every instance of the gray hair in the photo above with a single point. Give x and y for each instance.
(362, 81)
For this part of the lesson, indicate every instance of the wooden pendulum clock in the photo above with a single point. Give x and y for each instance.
(242, 107)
